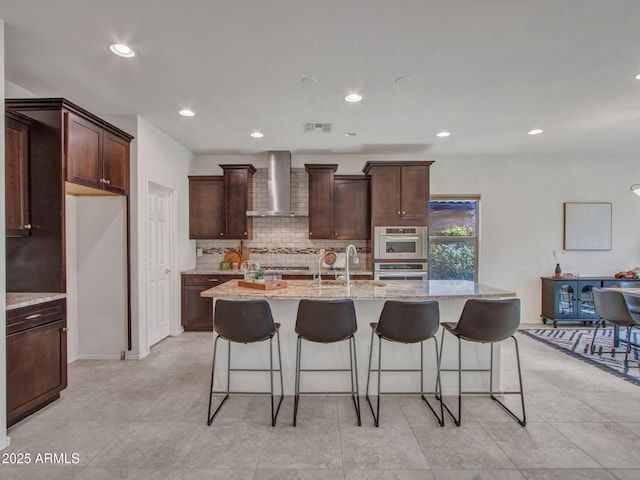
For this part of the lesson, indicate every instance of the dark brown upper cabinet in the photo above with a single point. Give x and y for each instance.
(238, 198)
(17, 175)
(351, 211)
(218, 204)
(399, 192)
(96, 158)
(206, 207)
(338, 204)
(69, 151)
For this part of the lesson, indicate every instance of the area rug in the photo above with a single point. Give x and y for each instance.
(577, 344)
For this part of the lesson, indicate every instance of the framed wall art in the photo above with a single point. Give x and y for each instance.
(587, 226)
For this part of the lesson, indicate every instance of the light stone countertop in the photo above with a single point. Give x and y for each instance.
(25, 299)
(365, 290)
(216, 271)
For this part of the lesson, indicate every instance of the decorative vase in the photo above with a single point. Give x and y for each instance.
(558, 270)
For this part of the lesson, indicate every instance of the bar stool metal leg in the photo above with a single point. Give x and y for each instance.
(274, 409)
(438, 393)
(355, 394)
(213, 369)
(353, 370)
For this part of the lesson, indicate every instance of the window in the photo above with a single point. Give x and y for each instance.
(453, 237)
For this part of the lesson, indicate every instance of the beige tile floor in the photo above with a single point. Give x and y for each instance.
(147, 420)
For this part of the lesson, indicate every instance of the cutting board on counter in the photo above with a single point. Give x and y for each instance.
(273, 285)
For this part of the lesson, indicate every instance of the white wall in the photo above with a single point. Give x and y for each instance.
(521, 210)
(161, 160)
(4, 440)
(101, 276)
(522, 215)
(71, 252)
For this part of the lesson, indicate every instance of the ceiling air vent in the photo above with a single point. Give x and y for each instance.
(310, 127)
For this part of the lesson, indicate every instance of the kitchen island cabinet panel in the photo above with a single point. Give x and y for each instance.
(368, 300)
(36, 357)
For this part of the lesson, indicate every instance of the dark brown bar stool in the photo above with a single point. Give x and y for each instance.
(406, 322)
(247, 321)
(613, 307)
(327, 321)
(486, 321)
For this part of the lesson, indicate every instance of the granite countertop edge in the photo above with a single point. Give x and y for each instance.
(25, 299)
(393, 290)
(216, 271)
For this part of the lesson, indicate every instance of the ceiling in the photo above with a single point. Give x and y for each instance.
(488, 71)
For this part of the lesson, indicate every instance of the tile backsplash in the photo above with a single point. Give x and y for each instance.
(280, 241)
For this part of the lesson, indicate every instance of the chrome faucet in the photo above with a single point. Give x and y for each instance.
(351, 246)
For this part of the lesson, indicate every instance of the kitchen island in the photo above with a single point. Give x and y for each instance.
(369, 297)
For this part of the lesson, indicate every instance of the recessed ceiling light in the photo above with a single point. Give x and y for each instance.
(350, 134)
(535, 131)
(257, 134)
(122, 50)
(353, 97)
(308, 80)
(637, 77)
(185, 112)
(443, 134)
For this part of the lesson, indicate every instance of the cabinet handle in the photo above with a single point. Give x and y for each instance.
(101, 180)
(222, 234)
(35, 315)
(27, 226)
(310, 233)
(108, 182)
(64, 329)
(213, 279)
(336, 234)
(403, 212)
(245, 233)
(398, 212)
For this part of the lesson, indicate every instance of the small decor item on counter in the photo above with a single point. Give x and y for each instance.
(234, 266)
(272, 285)
(627, 274)
(232, 256)
(258, 275)
(224, 265)
(558, 270)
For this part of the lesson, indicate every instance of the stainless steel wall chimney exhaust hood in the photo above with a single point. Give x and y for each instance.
(278, 188)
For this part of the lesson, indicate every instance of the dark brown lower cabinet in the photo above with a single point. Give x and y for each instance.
(36, 357)
(197, 312)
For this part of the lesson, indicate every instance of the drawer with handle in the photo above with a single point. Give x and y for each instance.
(24, 318)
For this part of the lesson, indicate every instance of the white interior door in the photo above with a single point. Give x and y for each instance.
(158, 264)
